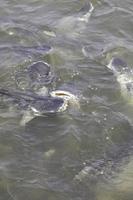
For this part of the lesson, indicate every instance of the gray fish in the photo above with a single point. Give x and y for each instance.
(33, 49)
(117, 65)
(124, 76)
(32, 104)
(36, 99)
(73, 25)
(42, 104)
(27, 50)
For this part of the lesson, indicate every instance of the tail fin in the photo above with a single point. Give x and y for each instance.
(87, 11)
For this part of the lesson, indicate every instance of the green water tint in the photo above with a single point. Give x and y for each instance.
(75, 155)
(120, 187)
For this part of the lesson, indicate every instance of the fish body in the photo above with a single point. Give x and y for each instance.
(27, 50)
(31, 101)
(73, 25)
(33, 104)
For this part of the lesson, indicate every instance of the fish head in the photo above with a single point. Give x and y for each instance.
(69, 98)
(39, 72)
(117, 65)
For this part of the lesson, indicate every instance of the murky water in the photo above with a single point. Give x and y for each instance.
(81, 154)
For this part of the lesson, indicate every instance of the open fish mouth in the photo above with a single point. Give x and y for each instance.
(69, 99)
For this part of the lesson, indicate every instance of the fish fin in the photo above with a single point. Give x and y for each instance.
(27, 116)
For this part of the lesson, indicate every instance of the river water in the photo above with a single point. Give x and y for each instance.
(81, 154)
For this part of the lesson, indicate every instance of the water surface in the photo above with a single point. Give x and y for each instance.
(81, 154)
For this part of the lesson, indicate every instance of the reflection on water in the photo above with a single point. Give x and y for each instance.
(79, 154)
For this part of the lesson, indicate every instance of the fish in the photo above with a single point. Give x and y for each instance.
(124, 76)
(73, 25)
(33, 97)
(32, 104)
(27, 50)
(39, 104)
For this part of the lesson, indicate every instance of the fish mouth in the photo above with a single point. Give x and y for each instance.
(64, 99)
(69, 98)
(61, 94)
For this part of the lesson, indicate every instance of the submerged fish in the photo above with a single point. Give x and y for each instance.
(28, 50)
(124, 76)
(73, 25)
